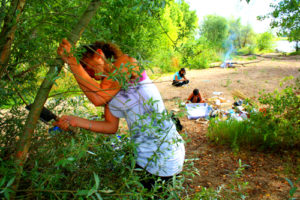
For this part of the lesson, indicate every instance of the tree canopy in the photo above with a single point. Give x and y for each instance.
(214, 28)
(285, 17)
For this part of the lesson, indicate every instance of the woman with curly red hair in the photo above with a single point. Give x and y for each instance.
(159, 147)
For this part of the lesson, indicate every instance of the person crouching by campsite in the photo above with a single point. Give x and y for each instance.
(179, 78)
(195, 97)
(159, 148)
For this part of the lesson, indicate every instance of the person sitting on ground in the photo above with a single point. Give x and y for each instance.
(179, 78)
(195, 97)
(159, 148)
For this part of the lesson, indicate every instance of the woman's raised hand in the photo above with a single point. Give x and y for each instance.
(64, 51)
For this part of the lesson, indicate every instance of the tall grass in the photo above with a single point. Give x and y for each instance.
(231, 132)
(276, 126)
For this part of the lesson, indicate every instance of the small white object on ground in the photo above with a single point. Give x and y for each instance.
(197, 110)
(217, 93)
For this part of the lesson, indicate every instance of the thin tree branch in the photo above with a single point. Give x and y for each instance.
(43, 92)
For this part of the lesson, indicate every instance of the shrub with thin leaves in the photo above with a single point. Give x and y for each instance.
(85, 165)
(275, 126)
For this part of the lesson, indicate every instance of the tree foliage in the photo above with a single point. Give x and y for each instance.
(225, 37)
(138, 27)
(143, 29)
(215, 29)
(247, 36)
(265, 41)
(285, 17)
(244, 35)
(175, 26)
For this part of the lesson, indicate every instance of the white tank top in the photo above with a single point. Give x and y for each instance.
(160, 149)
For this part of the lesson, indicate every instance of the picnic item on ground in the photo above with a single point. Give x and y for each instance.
(198, 110)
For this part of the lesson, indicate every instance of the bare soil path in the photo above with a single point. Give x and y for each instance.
(265, 171)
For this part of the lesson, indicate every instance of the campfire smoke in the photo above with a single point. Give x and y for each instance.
(230, 49)
(226, 64)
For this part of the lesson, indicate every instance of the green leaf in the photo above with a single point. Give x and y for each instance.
(91, 191)
(6, 194)
(106, 191)
(10, 181)
(292, 191)
(82, 192)
(290, 182)
(174, 181)
(98, 196)
(96, 177)
(71, 159)
(2, 181)
(61, 163)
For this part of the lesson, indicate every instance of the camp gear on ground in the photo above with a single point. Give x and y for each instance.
(198, 110)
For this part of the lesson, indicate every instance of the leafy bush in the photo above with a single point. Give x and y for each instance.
(198, 54)
(294, 53)
(204, 59)
(167, 61)
(246, 50)
(265, 41)
(275, 126)
(252, 58)
(84, 166)
(214, 28)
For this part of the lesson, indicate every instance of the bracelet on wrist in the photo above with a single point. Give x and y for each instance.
(90, 126)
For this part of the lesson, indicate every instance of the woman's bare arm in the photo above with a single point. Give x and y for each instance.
(98, 94)
(109, 126)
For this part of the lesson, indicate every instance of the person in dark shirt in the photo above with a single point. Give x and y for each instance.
(195, 97)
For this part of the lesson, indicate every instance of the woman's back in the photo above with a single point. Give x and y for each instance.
(151, 128)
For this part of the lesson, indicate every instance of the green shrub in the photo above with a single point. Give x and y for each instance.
(276, 126)
(247, 50)
(198, 54)
(252, 58)
(84, 166)
(294, 53)
(204, 59)
(166, 60)
(265, 41)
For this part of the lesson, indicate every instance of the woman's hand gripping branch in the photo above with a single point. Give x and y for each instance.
(64, 51)
(109, 126)
(97, 94)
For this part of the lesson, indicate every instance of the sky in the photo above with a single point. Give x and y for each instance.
(235, 8)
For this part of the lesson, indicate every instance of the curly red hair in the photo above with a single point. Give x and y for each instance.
(110, 50)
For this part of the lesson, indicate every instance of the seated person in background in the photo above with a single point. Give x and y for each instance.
(195, 97)
(179, 78)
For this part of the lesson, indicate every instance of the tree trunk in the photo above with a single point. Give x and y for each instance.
(43, 92)
(8, 32)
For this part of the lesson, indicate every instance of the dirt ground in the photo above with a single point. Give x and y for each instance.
(265, 171)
